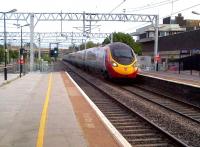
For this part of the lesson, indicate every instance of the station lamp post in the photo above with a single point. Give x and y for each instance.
(194, 12)
(21, 58)
(156, 55)
(5, 38)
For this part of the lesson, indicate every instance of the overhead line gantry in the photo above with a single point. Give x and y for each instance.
(34, 18)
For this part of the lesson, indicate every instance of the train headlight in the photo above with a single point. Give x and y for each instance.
(114, 64)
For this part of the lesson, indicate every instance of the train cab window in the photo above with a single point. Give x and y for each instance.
(122, 53)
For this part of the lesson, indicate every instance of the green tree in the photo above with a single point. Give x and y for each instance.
(13, 54)
(125, 38)
(90, 44)
(46, 57)
(1, 54)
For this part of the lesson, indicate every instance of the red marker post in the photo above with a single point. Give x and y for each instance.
(157, 59)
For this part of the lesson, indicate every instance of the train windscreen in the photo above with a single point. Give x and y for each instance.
(122, 53)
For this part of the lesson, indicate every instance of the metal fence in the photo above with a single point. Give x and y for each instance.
(11, 68)
(14, 68)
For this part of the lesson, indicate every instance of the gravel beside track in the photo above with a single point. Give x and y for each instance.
(136, 130)
(183, 108)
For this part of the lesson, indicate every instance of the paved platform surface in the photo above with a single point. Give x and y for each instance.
(67, 119)
(184, 78)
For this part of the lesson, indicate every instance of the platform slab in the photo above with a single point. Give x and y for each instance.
(21, 104)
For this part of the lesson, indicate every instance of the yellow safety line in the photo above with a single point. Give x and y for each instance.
(40, 138)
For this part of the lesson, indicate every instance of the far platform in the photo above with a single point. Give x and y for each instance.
(184, 77)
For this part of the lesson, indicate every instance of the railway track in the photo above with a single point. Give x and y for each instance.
(138, 130)
(182, 108)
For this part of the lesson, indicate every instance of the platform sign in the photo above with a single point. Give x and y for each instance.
(55, 52)
(196, 51)
(20, 61)
(184, 51)
(157, 58)
(22, 51)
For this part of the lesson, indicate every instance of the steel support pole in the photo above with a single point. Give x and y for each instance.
(85, 44)
(5, 48)
(156, 43)
(84, 23)
(61, 22)
(72, 39)
(20, 57)
(179, 63)
(111, 37)
(84, 33)
(39, 49)
(90, 29)
(31, 42)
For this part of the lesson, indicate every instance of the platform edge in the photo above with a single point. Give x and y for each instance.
(116, 134)
(168, 80)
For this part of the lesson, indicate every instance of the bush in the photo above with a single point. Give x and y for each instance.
(46, 58)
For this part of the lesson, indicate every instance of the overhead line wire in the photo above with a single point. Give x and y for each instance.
(117, 6)
(141, 7)
(113, 10)
(150, 7)
(182, 10)
(168, 15)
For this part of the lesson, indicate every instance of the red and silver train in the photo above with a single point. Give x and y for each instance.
(115, 60)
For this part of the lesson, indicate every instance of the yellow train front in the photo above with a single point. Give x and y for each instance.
(121, 61)
(115, 60)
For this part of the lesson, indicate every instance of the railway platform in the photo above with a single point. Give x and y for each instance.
(184, 78)
(47, 110)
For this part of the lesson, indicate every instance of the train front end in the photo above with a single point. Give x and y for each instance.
(121, 61)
